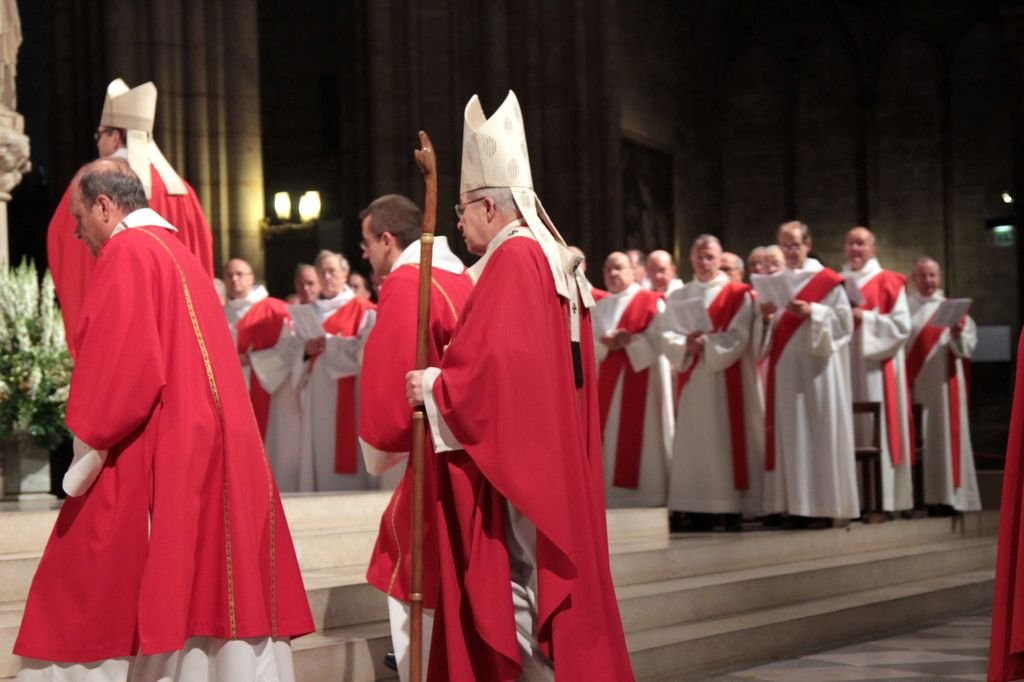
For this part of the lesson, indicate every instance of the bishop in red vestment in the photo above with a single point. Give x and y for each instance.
(175, 529)
(526, 589)
(125, 131)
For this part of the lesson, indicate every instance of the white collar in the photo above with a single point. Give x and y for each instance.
(513, 229)
(937, 296)
(718, 280)
(256, 294)
(810, 265)
(628, 291)
(870, 269)
(329, 305)
(441, 257)
(143, 217)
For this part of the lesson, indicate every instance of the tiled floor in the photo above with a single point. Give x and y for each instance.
(957, 650)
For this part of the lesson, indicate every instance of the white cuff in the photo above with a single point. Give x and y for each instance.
(444, 440)
(84, 469)
(379, 461)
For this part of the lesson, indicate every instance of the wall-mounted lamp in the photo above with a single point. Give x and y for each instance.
(1007, 198)
(282, 206)
(309, 206)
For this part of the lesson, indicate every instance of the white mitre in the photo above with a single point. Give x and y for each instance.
(134, 110)
(494, 154)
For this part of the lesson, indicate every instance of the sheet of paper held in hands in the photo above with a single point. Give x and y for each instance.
(304, 321)
(777, 289)
(689, 315)
(950, 312)
(853, 293)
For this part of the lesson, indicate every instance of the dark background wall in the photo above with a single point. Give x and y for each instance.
(649, 121)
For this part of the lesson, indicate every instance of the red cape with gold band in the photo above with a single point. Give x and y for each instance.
(158, 384)
(507, 391)
(1006, 653)
(385, 420)
(71, 263)
(259, 329)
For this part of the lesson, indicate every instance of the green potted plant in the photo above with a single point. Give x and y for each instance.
(35, 372)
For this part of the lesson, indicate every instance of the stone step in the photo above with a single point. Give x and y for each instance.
(687, 651)
(692, 598)
(353, 653)
(689, 554)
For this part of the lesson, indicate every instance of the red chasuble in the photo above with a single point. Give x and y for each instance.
(158, 384)
(259, 329)
(880, 294)
(816, 289)
(1006, 655)
(345, 321)
(385, 419)
(722, 311)
(71, 263)
(628, 449)
(507, 392)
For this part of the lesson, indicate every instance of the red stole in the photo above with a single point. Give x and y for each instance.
(259, 329)
(638, 314)
(880, 293)
(345, 322)
(813, 292)
(722, 311)
(922, 347)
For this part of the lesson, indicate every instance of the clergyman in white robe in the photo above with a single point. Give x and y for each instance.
(814, 472)
(931, 390)
(878, 338)
(702, 471)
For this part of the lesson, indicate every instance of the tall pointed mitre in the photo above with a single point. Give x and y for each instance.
(133, 110)
(494, 154)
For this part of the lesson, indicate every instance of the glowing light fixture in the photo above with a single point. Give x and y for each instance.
(1007, 198)
(282, 206)
(309, 206)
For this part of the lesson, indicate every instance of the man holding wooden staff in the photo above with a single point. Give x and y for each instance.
(391, 227)
(526, 590)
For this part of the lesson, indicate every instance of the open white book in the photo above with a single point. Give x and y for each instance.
(777, 288)
(688, 315)
(305, 324)
(950, 312)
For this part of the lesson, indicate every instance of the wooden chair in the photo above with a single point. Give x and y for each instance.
(869, 464)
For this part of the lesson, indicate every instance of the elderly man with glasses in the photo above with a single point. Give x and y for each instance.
(809, 461)
(125, 131)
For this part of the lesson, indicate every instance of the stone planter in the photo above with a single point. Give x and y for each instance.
(24, 469)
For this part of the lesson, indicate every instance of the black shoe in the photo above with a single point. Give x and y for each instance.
(733, 522)
(795, 522)
(391, 661)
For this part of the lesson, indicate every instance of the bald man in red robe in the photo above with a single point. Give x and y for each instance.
(174, 533)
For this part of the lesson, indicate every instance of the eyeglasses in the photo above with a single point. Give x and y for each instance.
(460, 209)
(791, 247)
(100, 133)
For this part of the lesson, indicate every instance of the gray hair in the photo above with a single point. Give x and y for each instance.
(501, 196)
(115, 179)
(325, 254)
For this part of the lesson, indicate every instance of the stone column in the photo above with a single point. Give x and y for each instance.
(14, 162)
(14, 149)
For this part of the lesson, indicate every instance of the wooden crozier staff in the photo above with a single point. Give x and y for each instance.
(428, 165)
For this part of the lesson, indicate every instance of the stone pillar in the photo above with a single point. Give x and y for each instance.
(14, 149)
(14, 162)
